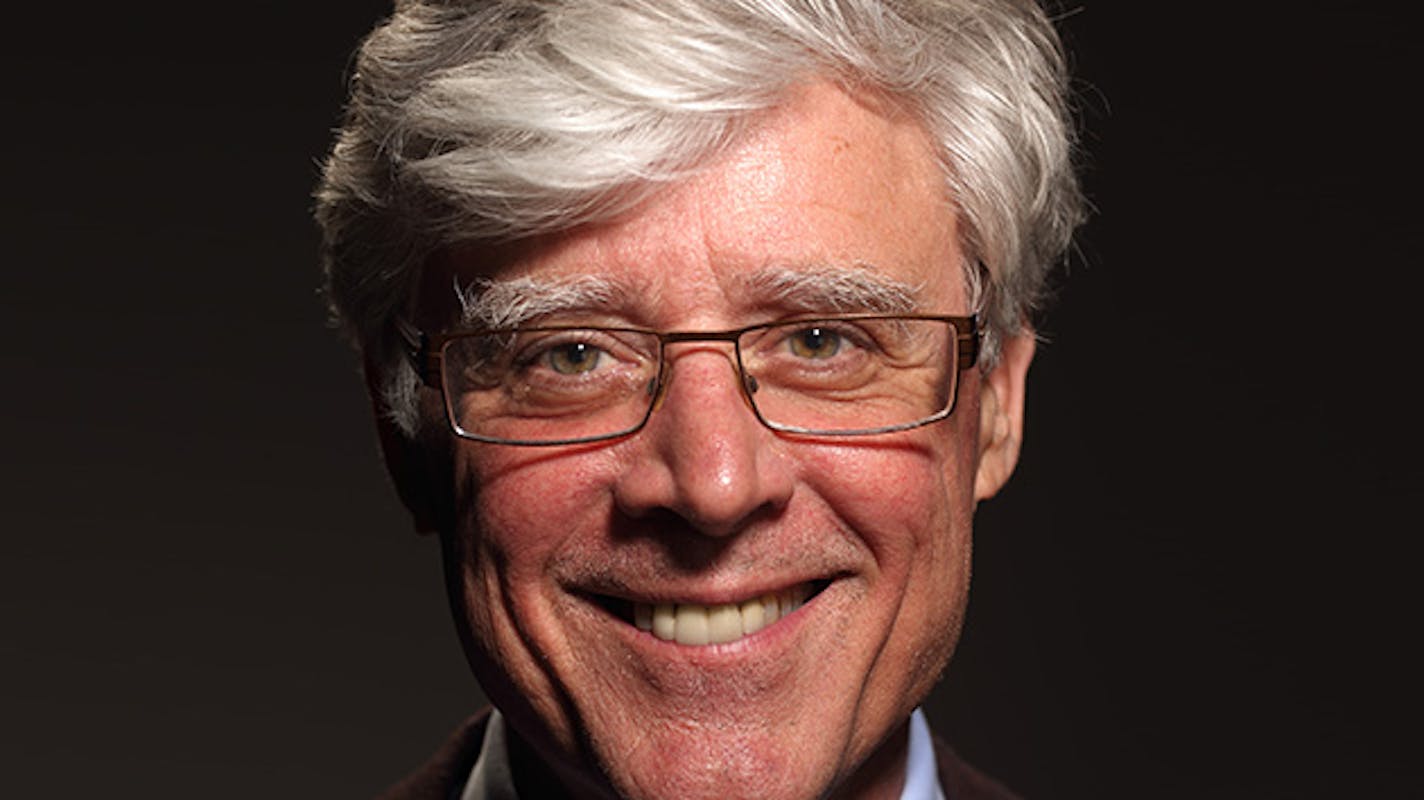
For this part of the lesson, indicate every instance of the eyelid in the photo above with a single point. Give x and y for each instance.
(621, 344)
(778, 337)
(853, 331)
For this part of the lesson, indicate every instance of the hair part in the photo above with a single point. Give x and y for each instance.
(498, 120)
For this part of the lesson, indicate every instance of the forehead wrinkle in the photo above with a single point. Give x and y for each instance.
(824, 289)
(509, 302)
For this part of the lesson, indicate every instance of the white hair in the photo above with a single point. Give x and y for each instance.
(498, 119)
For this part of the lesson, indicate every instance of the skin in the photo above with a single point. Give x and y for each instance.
(706, 505)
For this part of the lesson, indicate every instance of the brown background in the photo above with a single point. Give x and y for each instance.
(1200, 584)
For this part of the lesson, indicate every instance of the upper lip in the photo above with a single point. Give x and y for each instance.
(700, 594)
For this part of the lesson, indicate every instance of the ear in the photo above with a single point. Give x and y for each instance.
(1001, 407)
(413, 467)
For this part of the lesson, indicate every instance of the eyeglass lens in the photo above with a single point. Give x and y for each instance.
(833, 376)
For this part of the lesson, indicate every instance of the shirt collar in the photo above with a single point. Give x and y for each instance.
(921, 771)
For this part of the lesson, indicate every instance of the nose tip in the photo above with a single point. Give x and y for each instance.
(704, 456)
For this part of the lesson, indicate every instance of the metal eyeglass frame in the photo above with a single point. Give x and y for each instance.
(425, 352)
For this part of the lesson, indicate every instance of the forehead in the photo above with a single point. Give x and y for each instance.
(823, 183)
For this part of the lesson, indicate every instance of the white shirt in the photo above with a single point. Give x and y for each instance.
(921, 770)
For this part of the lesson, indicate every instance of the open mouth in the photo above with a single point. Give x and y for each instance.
(696, 624)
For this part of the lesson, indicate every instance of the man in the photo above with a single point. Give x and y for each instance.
(696, 330)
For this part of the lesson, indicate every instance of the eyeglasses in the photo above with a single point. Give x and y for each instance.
(852, 375)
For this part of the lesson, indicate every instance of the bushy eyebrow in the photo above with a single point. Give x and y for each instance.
(509, 303)
(827, 289)
(486, 303)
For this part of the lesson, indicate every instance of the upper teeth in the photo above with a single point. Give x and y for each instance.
(696, 624)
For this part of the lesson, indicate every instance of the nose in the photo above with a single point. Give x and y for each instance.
(703, 455)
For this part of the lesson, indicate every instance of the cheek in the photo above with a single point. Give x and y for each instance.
(518, 510)
(515, 507)
(905, 500)
(910, 506)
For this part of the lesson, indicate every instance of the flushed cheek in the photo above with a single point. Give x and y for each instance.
(541, 495)
(911, 507)
(520, 510)
(514, 517)
(896, 499)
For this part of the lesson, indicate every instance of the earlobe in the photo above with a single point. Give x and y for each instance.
(1001, 407)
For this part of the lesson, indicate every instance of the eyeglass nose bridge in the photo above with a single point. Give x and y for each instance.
(746, 381)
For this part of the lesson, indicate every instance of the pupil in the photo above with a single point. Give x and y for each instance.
(816, 342)
(574, 357)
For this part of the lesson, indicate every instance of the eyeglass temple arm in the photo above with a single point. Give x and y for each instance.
(422, 354)
(969, 341)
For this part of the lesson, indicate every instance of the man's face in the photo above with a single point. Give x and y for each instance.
(552, 548)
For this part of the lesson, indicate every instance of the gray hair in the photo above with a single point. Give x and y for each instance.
(498, 119)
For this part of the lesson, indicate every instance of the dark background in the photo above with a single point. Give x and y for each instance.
(1198, 585)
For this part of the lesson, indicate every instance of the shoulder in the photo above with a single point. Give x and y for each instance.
(445, 772)
(962, 781)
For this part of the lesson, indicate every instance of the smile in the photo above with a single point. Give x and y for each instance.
(695, 624)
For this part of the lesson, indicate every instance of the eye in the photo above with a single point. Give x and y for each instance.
(573, 358)
(815, 342)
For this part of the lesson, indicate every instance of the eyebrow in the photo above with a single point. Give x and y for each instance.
(493, 304)
(827, 289)
(509, 303)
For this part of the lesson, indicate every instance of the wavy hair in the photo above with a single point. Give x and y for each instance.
(499, 119)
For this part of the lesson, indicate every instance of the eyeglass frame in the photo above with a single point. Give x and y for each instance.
(426, 354)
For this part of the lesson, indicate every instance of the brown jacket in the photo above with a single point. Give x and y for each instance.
(443, 776)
